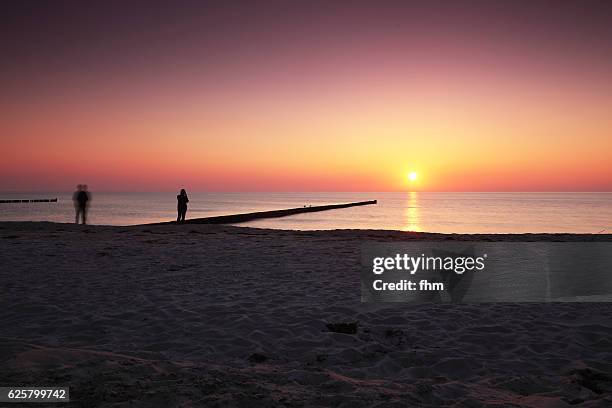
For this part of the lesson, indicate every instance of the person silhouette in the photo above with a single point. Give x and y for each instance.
(81, 199)
(182, 205)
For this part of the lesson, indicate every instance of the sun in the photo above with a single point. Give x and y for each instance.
(412, 176)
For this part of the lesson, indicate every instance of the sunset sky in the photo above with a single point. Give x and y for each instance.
(306, 96)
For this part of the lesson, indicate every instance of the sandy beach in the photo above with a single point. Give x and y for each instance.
(200, 315)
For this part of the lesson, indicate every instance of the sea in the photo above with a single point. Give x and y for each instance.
(406, 211)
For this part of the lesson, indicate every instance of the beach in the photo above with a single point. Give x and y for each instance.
(212, 315)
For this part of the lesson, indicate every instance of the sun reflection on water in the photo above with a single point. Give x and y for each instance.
(412, 218)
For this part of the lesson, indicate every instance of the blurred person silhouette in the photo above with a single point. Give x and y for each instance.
(81, 199)
(182, 200)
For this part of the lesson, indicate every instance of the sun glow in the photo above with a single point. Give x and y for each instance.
(412, 176)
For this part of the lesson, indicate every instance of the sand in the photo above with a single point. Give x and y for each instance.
(200, 315)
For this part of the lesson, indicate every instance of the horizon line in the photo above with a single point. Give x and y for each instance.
(313, 191)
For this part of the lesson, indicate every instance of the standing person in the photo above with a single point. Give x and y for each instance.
(75, 201)
(81, 199)
(182, 205)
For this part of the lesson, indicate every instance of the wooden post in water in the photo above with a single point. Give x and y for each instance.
(34, 200)
(238, 218)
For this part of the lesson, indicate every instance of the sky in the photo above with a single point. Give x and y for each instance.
(306, 95)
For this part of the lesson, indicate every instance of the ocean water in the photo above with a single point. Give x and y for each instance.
(410, 211)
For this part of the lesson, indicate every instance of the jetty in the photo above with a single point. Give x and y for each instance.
(238, 218)
(34, 200)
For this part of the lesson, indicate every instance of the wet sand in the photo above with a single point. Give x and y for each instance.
(205, 315)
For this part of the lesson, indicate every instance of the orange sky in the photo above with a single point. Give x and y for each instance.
(341, 100)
